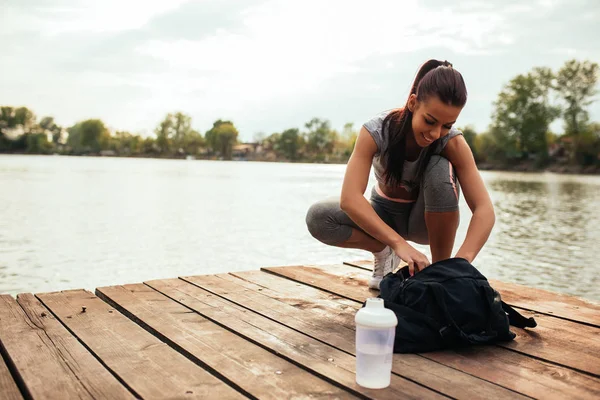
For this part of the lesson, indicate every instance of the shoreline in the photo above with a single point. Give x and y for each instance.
(557, 168)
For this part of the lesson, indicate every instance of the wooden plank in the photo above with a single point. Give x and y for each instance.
(247, 365)
(147, 365)
(333, 307)
(313, 355)
(550, 303)
(555, 340)
(428, 373)
(8, 387)
(527, 375)
(342, 280)
(563, 342)
(512, 370)
(532, 299)
(50, 361)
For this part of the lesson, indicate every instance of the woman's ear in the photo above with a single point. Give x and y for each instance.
(412, 102)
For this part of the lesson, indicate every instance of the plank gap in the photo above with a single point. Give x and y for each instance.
(258, 343)
(556, 363)
(262, 315)
(357, 294)
(14, 372)
(341, 296)
(303, 333)
(113, 373)
(309, 284)
(170, 343)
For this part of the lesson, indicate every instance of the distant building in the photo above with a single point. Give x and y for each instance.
(246, 150)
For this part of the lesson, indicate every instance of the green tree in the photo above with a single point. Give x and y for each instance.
(470, 135)
(48, 126)
(289, 143)
(193, 142)
(182, 128)
(148, 146)
(15, 122)
(320, 138)
(589, 144)
(38, 143)
(271, 142)
(348, 139)
(211, 135)
(19, 131)
(164, 134)
(576, 85)
(88, 136)
(175, 134)
(4, 144)
(523, 114)
(221, 138)
(125, 143)
(487, 148)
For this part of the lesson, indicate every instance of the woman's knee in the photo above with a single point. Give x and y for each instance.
(440, 185)
(323, 224)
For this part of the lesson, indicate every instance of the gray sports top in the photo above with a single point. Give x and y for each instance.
(382, 139)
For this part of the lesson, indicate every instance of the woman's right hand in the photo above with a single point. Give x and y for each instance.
(416, 260)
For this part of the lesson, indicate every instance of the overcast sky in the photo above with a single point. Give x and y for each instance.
(273, 65)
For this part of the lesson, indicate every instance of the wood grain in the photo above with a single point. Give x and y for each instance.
(556, 340)
(295, 346)
(317, 325)
(147, 365)
(515, 371)
(8, 387)
(250, 367)
(50, 361)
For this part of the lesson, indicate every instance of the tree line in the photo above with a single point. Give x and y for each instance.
(527, 106)
(519, 131)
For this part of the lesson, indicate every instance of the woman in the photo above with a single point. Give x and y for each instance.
(418, 158)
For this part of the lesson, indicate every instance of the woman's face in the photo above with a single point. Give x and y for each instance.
(432, 119)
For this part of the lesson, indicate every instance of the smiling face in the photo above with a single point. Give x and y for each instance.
(432, 119)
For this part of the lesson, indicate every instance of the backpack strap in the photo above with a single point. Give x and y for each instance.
(452, 331)
(516, 319)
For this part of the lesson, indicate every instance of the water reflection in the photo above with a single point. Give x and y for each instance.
(78, 222)
(547, 226)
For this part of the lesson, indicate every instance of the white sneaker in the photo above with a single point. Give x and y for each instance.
(382, 266)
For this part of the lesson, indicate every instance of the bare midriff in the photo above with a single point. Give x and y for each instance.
(396, 193)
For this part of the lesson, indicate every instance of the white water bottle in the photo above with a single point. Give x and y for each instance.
(375, 332)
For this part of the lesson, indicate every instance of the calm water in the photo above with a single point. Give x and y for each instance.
(69, 222)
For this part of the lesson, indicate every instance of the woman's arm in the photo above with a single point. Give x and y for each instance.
(358, 208)
(352, 200)
(458, 152)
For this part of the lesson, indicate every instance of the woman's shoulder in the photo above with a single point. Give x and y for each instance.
(376, 122)
(375, 127)
(443, 141)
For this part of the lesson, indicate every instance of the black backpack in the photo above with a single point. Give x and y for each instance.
(448, 304)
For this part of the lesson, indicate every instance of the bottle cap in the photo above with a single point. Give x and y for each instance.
(375, 315)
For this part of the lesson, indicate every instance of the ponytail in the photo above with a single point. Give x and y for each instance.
(430, 80)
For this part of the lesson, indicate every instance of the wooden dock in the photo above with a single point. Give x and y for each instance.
(277, 333)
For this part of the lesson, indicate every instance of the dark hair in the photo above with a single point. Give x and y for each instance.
(435, 78)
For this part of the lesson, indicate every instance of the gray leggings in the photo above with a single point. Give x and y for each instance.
(439, 192)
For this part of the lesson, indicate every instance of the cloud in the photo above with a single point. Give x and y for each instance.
(52, 18)
(290, 49)
(267, 64)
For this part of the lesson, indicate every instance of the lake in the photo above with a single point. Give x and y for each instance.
(85, 222)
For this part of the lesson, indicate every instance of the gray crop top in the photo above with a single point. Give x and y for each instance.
(381, 138)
